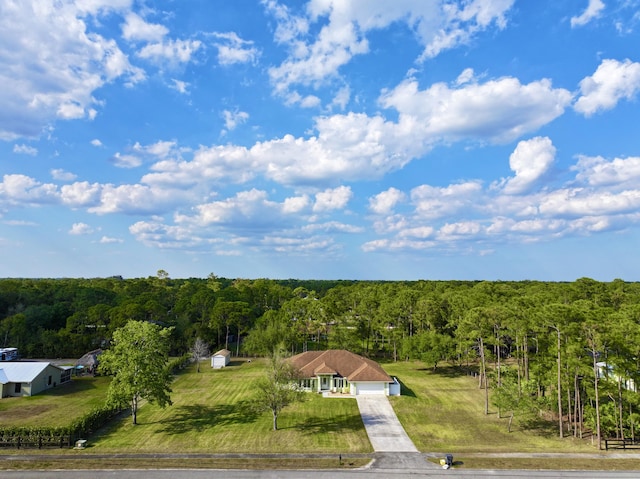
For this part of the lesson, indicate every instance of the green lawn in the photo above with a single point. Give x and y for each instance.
(55, 407)
(212, 412)
(444, 411)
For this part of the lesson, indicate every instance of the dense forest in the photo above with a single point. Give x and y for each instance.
(568, 352)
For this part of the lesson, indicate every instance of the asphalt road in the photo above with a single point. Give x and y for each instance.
(324, 474)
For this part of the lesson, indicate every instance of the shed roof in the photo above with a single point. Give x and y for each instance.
(24, 372)
(3, 377)
(223, 352)
(341, 362)
(90, 359)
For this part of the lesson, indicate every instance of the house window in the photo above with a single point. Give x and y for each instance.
(49, 382)
(340, 383)
(18, 388)
(307, 383)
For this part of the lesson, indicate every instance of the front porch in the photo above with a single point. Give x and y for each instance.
(327, 383)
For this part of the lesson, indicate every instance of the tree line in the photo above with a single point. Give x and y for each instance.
(565, 351)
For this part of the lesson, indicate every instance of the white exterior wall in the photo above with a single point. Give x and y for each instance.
(394, 388)
(218, 362)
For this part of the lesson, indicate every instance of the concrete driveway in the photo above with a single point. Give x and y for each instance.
(385, 431)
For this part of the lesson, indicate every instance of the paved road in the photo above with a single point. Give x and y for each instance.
(324, 474)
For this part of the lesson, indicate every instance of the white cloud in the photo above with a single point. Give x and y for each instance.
(125, 161)
(136, 28)
(234, 118)
(384, 203)
(467, 76)
(233, 49)
(604, 195)
(21, 189)
(295, 204)
(332, 199)
(25, 150)
(333, 227)
(179, 86)
(81, 194)
(593, 11)
(499, 110)
(246, 210)
(612, 81)
(81, 229)
(420, 232)
(137, 199)
(156, 234)
(95, 142)
(618, 173)
(344, 27)
(61, 175)
(342, 97)
(530, 161)
(51, 63)
(160, 149)
(171, 52)
(110, 240)
(432, 202)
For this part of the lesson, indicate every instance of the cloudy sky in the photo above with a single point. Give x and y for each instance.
(328, 139)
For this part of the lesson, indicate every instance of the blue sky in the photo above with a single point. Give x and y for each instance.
(327, 139)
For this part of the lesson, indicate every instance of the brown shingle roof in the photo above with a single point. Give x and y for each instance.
(340, 362)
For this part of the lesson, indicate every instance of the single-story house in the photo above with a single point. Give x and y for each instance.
(341, 371)
(26, 378)
(220, 359)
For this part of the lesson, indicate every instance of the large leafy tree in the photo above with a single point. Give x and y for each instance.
(138, 360)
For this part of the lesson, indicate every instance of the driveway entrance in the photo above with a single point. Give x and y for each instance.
(383, 428)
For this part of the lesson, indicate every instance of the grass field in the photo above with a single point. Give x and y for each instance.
(57, 406)
(443, 410)
(212, 412)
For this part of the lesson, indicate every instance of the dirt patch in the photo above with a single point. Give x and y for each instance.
(15, 415)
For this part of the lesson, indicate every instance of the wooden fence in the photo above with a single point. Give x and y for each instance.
(621, 444)
(36, 442)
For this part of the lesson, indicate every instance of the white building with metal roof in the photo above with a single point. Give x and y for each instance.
(26, 378)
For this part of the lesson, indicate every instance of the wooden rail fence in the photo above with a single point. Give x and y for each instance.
(621, 444)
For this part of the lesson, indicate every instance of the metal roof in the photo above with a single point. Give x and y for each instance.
(3, 377)
(23, 372)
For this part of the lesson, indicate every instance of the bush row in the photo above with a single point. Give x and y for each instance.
(81, 427)
(177, 364)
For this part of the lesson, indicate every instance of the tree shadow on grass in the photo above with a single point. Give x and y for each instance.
(452, 371)
(317, 424)
(538, 425)
(198, 417)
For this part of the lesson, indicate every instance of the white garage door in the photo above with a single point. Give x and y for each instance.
(370, 388)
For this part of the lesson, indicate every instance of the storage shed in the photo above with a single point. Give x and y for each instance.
(220, 359)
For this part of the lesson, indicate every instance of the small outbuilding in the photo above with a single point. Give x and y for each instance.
(88, 364)
(31, 377)
(221, 359)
